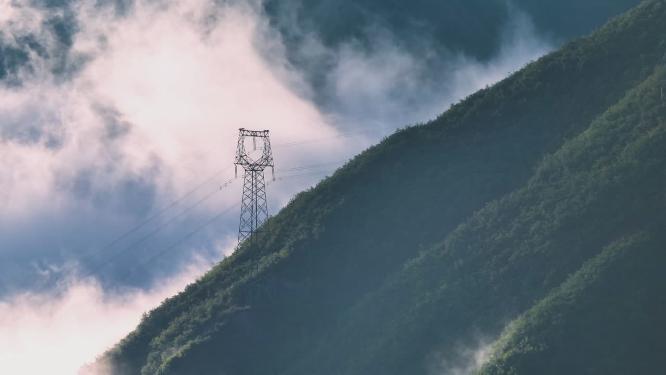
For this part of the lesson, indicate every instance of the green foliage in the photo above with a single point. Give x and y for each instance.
(456, 227)
(606, 318)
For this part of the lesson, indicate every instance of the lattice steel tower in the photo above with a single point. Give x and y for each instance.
(254, 207)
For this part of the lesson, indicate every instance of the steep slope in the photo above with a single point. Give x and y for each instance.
(514, 251)
(613, 310)
(608, 318)
(442, 230)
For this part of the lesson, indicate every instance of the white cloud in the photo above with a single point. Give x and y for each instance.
(520, 45)
(158, 103)
(183, 92)
(18, 17)
(161, 96)
(57, 332)
(388, 86)
(465, 359)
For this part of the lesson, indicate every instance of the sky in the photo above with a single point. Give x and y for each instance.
(118, 127)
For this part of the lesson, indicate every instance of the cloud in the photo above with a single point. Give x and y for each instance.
(464, 359)
(59, 331)
(154, 110)
(115, 113)
(388, 86)
(35, 37)
(520, 45)
(179, 86)
(155, 104)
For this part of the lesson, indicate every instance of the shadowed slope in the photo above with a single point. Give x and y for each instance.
(441, 230)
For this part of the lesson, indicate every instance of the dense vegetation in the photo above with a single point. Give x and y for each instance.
(540, 201)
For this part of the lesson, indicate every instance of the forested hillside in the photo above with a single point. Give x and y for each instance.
(530, 214)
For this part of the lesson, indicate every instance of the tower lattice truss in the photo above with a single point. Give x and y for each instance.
(254, 206)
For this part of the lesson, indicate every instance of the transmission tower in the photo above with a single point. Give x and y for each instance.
(254, 207)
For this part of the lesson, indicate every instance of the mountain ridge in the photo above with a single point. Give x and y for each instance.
(398, 254)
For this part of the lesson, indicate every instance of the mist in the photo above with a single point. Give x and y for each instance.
(47, 334)
(127, 109)
(140, 124)
(466, 359)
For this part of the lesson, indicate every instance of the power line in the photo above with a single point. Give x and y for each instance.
(159, 213)
(203, 226)
(227, 183)
(214, 176)
(183, 239)
(313, 166)
(173, 204)
(158, 229)
(341, 134)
